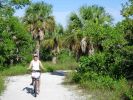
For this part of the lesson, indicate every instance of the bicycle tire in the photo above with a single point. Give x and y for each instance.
(35, 89)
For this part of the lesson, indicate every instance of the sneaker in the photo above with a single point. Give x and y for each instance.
(38, 91)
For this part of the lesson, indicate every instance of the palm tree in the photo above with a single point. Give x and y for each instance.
(59, 29)
(74, 22)
(39, 20)
(53, 42)
(95, 19)
(72, 41)
(83, 28)
(95, 14)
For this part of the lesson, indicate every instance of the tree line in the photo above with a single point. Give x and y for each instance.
(89, 34)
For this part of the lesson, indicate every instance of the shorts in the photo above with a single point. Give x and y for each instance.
(35, 75)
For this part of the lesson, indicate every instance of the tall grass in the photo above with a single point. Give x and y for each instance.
(48, 66)
(59, 66)
(14, 70)
(65, 61)
(1, 83)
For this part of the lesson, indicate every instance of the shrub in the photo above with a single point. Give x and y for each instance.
(45, 54)
(127, 63)
(76, 78)
(92, 63)
(99, 81)
(50, 69)
(103, 63)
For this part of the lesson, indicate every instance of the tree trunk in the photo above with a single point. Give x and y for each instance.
(11, 62)
(83, 45)
(55, 51)
(37, 50)
(54, 60)
(91, 50)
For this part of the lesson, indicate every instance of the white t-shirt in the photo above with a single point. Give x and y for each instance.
(35, 65)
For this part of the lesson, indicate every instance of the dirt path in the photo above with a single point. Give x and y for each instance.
(18, 88)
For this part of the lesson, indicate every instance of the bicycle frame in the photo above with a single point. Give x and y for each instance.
(35, 84)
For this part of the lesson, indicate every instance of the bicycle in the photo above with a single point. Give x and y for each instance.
(35, 76)
(35, 87)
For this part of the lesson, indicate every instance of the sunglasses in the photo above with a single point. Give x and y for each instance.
(35, 56)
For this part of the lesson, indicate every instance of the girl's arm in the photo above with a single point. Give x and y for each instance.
(30, 66)
(41, 66)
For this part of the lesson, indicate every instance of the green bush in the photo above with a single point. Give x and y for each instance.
(103, 63)
(128, 94)
(76, 78)
(16, 43)
(45, 54)
(94, 63)
(99, 81)
(50, 69)
(127, 64)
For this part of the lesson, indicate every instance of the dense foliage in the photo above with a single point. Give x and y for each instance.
(112, 61)
(15, 41)
(104, 50)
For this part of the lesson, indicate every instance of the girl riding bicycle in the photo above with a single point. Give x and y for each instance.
(36, 66)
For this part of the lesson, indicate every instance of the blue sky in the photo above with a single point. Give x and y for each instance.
(63, 8)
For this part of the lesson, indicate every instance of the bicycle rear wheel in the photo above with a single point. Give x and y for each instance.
(35, 89)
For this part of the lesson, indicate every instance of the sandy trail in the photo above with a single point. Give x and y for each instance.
(18, 88)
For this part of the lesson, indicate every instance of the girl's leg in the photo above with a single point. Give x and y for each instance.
(39, 82)
(38, 85)
(32, 81)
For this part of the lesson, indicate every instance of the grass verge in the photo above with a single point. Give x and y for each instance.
(50, 67)
(101, 87)
(1, 83)
(14, 70)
